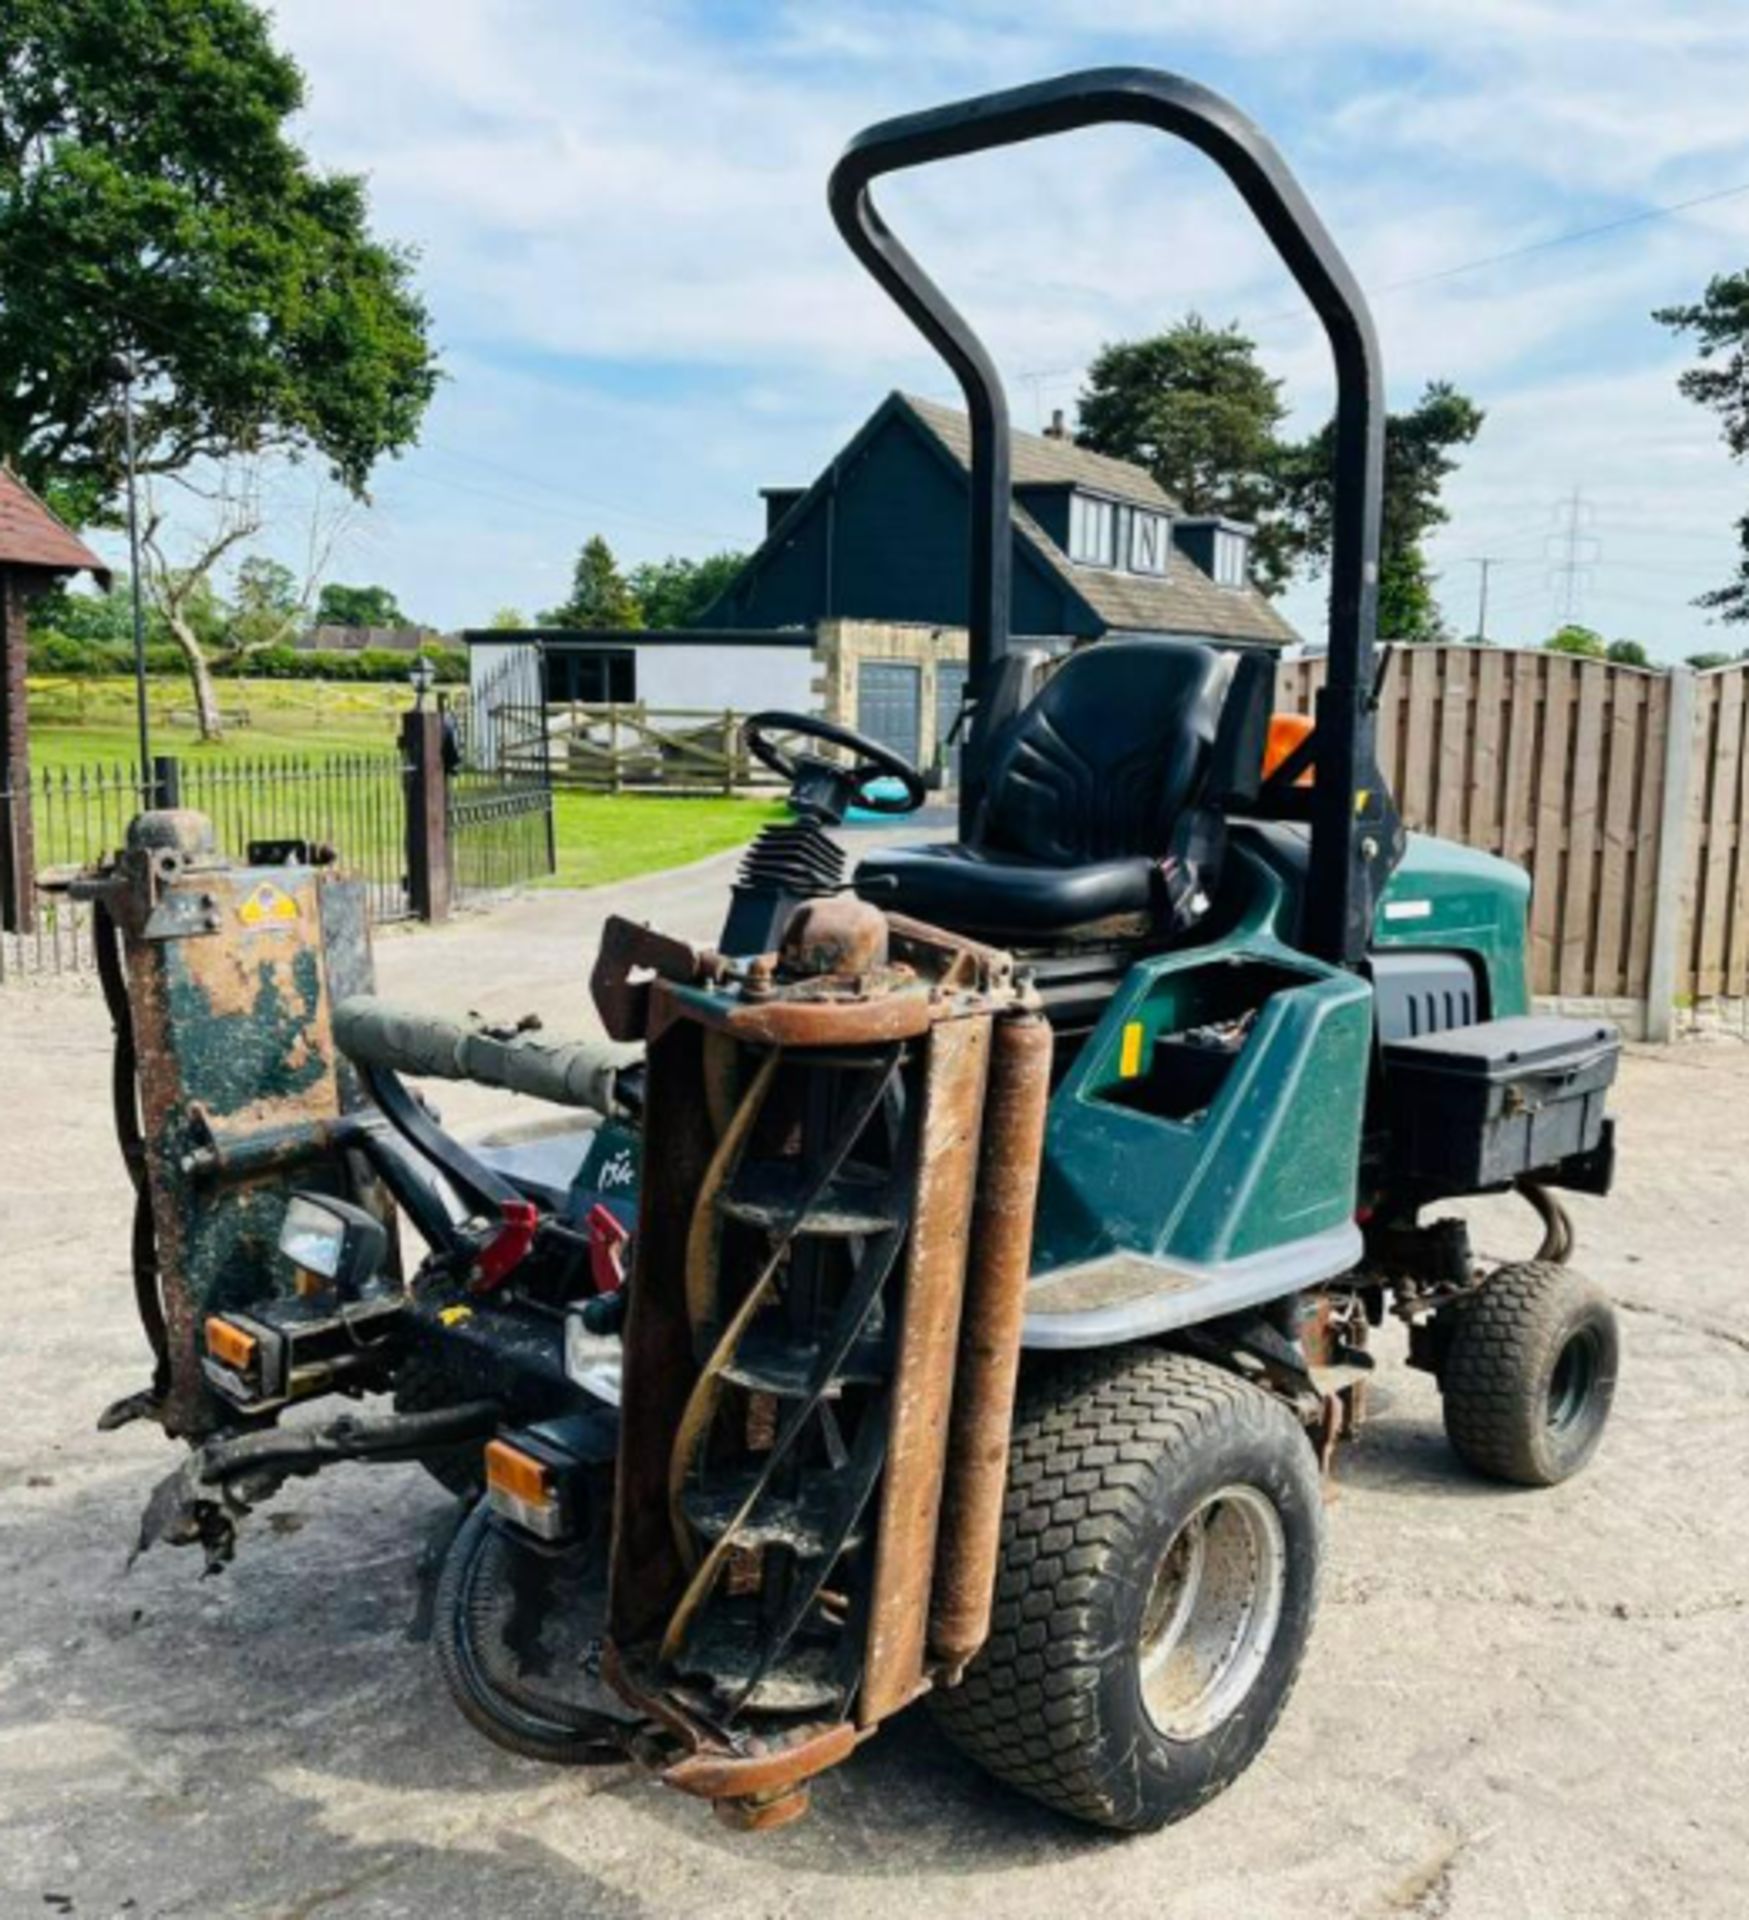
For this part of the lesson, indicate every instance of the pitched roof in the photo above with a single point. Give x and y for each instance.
(1185, 600)
(1038, 460)
(31, 536)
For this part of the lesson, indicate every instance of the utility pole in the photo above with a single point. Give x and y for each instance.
(1573, 563)
(125, 371)
(1483, 564)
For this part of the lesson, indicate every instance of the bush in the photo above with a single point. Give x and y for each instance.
(60, 653)
(63, 653)
(370, 663)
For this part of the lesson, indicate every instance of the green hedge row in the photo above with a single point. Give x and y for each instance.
(57, 653)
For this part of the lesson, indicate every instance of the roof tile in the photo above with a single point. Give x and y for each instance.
(31, 536)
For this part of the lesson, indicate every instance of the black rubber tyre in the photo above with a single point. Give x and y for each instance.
(423, 1385)
(492, 1650)
(1529, 1373)
(1118, 1459)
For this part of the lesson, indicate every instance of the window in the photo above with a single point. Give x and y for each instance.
(1232, 553)
(1092, 525)
(1148, 543)
(596, 675)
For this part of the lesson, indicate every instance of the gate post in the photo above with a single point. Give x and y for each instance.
(166, 788)
(427, 788)
(1672, 855)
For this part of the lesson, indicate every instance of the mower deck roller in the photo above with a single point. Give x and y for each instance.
(815, 1367)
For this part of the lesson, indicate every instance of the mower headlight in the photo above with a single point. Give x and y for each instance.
(334, 1242)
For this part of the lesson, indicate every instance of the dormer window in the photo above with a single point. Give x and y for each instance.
(1104, 534)
(1231, 553)
(1092, 530)
(1149, 539)
(1222, 548)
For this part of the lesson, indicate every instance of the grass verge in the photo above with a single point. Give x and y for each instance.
(605, 836)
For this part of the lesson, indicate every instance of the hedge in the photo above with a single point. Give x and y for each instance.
(57, 653)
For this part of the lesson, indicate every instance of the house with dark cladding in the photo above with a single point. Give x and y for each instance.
(1099, 547)
(854, 604)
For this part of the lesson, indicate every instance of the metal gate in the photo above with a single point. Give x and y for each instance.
(950, 686)
(889, 705)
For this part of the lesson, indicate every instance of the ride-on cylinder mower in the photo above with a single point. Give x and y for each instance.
(953, 1283)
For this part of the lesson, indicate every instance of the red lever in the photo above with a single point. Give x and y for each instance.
(507, 1248)
(607, 1239)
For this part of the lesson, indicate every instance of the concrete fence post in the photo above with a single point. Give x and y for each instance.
(427, 785)
(1672, 856)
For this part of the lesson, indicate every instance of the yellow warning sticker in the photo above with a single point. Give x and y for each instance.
(1129, 1059)
(267, 903)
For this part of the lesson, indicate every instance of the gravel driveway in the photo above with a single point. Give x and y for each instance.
(1517, 1704)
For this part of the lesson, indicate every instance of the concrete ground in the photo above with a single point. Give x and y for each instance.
(1516, 1704)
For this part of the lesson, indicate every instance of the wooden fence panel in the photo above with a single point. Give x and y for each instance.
(1557, 764)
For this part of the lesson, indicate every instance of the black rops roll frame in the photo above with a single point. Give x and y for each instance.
(1356, 838)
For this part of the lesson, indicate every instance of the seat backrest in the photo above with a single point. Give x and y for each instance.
(1113, 748)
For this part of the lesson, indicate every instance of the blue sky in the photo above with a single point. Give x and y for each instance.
(645, 314)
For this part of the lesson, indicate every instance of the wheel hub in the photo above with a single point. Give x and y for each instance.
(1212, 1612)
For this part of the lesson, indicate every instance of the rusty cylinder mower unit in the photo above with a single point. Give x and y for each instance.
(230, 1092)
(819, 1376)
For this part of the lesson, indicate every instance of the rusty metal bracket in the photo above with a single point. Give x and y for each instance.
(628, 949)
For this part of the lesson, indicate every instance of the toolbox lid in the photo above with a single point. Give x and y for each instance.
(1504, 1049)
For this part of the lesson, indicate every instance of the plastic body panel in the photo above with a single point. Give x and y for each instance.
(1444, 895)
(1272, 1159)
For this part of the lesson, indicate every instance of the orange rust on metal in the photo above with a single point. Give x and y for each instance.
(947, 959)
(768, 1767)
(955, 1068)
(234, 987)
(888, 1011)
(764, 1814)
(834, 936)
(1009, 1162)
(646, 1574)
(627, 948)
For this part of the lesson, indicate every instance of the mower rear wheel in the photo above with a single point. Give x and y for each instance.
(1528, 1375)
(1161, 1548)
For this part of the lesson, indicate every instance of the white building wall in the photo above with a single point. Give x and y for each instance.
(723, 674)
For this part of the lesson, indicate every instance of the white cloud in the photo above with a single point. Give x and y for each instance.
(647, 313)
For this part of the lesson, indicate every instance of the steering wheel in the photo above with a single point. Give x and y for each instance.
(809, 773)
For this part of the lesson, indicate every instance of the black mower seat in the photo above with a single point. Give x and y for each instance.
(1002, 896)
(1086, 787)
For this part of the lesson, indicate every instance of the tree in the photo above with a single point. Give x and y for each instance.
(1720, 323)
(265, 604)
(358, 607)
(601, 597)
(1628, 653)
(1582, 642)
(153, 203)
(678, 593)
(1420, 446)
(507, 620)
(1193, 406)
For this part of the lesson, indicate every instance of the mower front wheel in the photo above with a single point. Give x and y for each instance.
(1161, 1548)
(1528, 1373)
(518, 1633)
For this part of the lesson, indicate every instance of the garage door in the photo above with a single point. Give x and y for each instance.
(889, 705)
(950, 684)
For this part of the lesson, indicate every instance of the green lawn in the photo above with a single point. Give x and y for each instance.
(82, 726)
(89, 722)
(612, 836)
